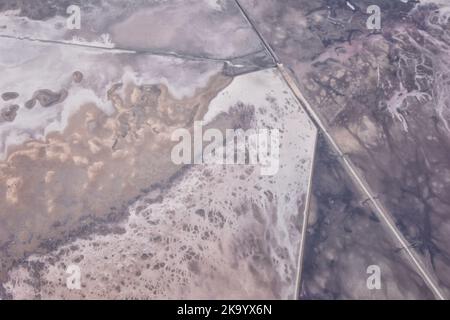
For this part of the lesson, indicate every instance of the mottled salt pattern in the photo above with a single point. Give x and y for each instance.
(217, 232)
(47, 66)
(384, 99)
(430, 60)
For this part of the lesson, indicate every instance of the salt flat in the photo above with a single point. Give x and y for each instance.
(214, 230)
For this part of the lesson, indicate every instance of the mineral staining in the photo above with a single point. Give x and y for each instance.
(9, 113)
(87, 181)
(384, 97)
(345, 237)
(86, 165)
(88, 147)
(9, 96)
(184, 240)
(77, 76)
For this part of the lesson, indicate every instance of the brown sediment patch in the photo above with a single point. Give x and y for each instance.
(9, 113)
(94, 167)
(9, 96)
(48, 98)
(198, 233)
(77, 76)
(30, 103)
